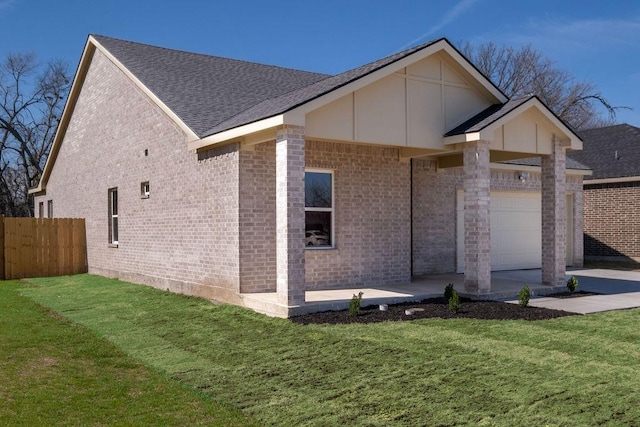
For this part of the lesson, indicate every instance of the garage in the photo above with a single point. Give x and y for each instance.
(516, 229)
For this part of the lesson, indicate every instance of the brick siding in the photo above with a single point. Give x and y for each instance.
(184, 237)
(611, 225)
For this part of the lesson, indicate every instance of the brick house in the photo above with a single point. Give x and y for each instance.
(220, 178)
(612, 192)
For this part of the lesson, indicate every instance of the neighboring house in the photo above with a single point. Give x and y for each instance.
(612, 193)
(217, 177)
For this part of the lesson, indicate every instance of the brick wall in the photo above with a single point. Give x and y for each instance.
(185, 235)
(611, 225)
(372, 208)
(258, 218)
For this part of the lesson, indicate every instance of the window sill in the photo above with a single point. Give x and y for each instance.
(320, 248)
(113, 245)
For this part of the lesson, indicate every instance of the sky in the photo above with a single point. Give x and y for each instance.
(597, 41)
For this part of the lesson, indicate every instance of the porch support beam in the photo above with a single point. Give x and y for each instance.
(477, 233)
(290, 247)
(554, 215)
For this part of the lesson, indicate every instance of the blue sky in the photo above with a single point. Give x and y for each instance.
(595, 40)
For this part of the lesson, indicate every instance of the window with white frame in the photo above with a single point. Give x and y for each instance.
(318, 206)
(145, 190)
(113, 216)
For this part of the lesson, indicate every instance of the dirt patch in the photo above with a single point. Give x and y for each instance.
(435, 307)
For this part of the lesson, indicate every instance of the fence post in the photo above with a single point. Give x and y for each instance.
(2, 275)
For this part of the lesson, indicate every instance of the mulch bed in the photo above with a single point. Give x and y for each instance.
(435, 307)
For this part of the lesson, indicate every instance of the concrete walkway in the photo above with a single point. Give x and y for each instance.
(619, 289)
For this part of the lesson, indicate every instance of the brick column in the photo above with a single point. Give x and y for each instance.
(554, 216)
(578, 228)
(290, 248)
(477, 235)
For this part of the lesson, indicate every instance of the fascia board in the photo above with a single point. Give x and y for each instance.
(462, 138)
(612, 180)
(74, 93)
(238, 132)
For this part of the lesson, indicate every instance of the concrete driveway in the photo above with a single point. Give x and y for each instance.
(619, 289)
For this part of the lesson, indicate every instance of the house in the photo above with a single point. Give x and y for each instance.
(612, 193)
(220, 178)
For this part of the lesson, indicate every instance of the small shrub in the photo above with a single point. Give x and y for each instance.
(524, 296)
(572, 284)
(448, 292)
(454, 301)
(354, 304)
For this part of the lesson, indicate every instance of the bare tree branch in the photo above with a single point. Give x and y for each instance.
(32, 97)
(525, 71)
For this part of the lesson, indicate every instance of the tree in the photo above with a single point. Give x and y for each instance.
(526, 71)
(31, 101)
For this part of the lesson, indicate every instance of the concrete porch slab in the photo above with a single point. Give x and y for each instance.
(504, 284)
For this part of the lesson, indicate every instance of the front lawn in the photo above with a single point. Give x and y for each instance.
(578, 370)
(53, 372)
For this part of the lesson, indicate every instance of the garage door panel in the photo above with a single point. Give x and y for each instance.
(515, 230)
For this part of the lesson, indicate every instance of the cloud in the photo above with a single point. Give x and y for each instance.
(454, 13)
(579, 36)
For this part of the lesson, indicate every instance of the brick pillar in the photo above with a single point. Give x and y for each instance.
(554, 216)
(290, 248)
(477, 235)
(578, 227)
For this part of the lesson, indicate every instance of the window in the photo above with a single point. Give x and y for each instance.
(113, 216)
(49, 208)
(41, 209)
(318, 206)
(144, 190)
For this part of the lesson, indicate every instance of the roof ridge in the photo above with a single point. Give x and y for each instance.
(206, 55)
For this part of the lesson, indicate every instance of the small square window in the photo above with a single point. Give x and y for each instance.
(145, 190)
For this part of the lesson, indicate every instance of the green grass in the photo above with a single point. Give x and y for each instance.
(579, 370)
(54, 372)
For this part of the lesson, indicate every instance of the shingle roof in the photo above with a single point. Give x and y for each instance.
(204, 90)
(213, 94)
(612, 151)
(488, 116)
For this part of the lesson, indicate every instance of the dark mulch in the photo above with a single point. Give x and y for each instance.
(435, 307)
(576, 294)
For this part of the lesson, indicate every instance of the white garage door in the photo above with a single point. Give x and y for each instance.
(515, 230)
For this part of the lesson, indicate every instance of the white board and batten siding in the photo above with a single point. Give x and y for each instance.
(410, 108)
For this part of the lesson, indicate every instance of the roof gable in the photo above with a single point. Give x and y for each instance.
(484, 124)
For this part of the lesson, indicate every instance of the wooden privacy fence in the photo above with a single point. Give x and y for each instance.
(37, 247)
